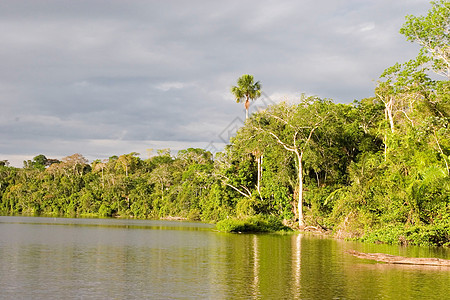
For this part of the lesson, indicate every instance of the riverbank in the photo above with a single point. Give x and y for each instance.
(419, 235)
(423, 235)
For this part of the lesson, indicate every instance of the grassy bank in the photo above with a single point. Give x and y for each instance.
(252, 224)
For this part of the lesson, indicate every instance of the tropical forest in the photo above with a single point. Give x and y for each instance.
(374, 170)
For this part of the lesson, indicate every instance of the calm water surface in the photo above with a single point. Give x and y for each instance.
(46, 258)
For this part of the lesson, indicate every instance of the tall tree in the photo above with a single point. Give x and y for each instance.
(432, 32)
(293, 127)
(128, 162)
(246, 90)
(410, 95)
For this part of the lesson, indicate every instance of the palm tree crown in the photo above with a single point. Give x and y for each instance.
(247, 90)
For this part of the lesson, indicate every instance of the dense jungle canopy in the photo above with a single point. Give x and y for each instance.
(376, 169)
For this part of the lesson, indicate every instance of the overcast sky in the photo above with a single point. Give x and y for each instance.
(106, 78)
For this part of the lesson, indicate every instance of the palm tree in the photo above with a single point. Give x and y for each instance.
(246, 89)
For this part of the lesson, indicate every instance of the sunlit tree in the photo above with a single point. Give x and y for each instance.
(246, 90)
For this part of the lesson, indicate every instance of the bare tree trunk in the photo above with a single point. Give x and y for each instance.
(248, 195)
(299, 153)
(103, 181)
(247, 105)
(388, 107)
(301, 222)
(258, 185)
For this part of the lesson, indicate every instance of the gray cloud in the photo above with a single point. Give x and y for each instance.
(106, 77)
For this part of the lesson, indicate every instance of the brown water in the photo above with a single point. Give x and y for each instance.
(45, 258)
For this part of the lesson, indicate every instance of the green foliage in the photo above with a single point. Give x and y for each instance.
(375, 170)
(247, 207)
(105, 211)
(432, 33)
(429, 235)
(251, 224)
(246, 90)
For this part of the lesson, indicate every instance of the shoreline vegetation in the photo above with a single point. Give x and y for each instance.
(376, 170)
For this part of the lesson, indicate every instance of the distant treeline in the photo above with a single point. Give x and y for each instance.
(376, 169)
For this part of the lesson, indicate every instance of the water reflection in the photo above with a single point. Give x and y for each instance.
(117, 259)
(296, 262)
(255, 285)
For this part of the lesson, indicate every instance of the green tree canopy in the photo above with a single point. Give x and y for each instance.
(246, 90)
(432, 32)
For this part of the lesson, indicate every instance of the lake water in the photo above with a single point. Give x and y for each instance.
(46, 258)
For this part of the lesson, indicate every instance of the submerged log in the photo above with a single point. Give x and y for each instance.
(392, 259)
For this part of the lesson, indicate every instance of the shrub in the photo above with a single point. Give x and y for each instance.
(252, 224)
(423, 235)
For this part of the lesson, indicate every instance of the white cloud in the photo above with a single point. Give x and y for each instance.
(366, 27)
(165, 86)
